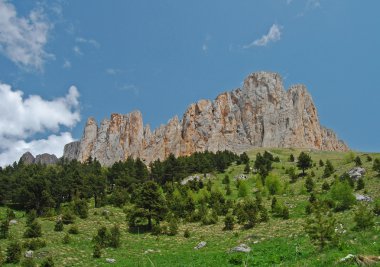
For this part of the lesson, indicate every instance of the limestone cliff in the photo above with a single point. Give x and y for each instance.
(260, 114)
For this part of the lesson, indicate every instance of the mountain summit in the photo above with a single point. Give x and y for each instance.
(260, 114)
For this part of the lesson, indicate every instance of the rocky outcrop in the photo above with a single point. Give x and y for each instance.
(260, 114)
(44, 159)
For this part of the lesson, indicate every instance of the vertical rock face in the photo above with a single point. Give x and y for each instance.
(260, 114)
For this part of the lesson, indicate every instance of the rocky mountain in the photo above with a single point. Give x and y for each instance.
(46, 159)
(260, 114)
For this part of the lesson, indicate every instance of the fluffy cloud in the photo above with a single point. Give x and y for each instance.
(13, 149)
(22, 39)
(21, 118)
(273, 35)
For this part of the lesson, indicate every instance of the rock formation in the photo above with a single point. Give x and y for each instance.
(260, 114)
(45, 159)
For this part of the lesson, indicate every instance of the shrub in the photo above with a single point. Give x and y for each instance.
(81, 208)
(236, 259)
(97, 253)
(34, 244)
(360, 185)
(376, 209)
(68, 217)
(291, 158)
(10, 214)
(66, 239)
(229, 222)
(48, 262)
(114, 239)
(292, 174)
(156, 229)
(358, 161)
(329, 169)
(349, 157)
(325, 186)
(285, 213)
(4, 229)
(320, 226)
(309, 184)
(28, 262)
(274, 185)
(321, 163)
(173, 227)
(33, 230)
(73, 230)
(13, 252)
(243, 189)
(364, 218)
(228, 190)
(341, 193)
(102, 238)
(376, 166)
(226, 179)
(58, 227)
(1, 258)
(186, 234)
(31, 216)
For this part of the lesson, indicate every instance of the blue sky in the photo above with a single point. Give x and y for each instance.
(63, 61)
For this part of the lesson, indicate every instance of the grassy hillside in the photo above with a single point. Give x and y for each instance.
(279, 242)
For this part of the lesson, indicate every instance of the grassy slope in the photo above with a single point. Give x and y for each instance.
(276, 243)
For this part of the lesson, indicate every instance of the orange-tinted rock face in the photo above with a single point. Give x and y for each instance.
(260, 114)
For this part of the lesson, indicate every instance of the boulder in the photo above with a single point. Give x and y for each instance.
(109, 260)
(29, 254)
(356, 173)
(201, 245)
(11, 222)
(363, 198)
(241, 248)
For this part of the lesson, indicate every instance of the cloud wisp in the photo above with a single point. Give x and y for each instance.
(23, 39)
(21, 118)
(273, 35)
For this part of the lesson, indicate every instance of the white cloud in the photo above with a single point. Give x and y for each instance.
(66, 64)
(311, 4)
(77, 50)
(12, 150)
(22, 39)
(130, 88)
(273, 35)
(112, 71)
(21, 118)
(88, 41)
(206, 41)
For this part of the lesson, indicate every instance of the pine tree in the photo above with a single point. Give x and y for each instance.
(226, 179)
(304, 162)
(364, 218)
(358, 161)
(97, 252)
(321, 163)
(329, 169)
(247, 169)
(4, 229)
(228, 190)
(291, 158)
(325, 186)
(229, 222)
(48, 262)
(58, 227)
(13, 252)
(320, 226)
(114, 238)
(376, 166)
(33, 230)
(309, 184)
(360, 184)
